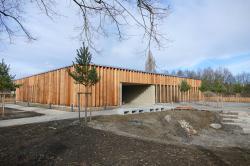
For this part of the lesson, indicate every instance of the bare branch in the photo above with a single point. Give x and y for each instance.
(96, 17)
(11, 20)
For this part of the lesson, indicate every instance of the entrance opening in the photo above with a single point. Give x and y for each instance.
(138, 94)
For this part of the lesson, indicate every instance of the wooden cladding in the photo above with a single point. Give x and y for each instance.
(171, 93)
(58, 88)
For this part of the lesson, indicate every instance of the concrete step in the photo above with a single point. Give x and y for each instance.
(229, 116)
(229, 113)
(246, 130)
(125, 111)
(227, 120)
(236, 121)
(239, 113)
(242, 125)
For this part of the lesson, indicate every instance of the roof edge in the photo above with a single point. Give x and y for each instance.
(114, 67)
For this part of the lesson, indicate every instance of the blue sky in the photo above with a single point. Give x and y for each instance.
(201, 34)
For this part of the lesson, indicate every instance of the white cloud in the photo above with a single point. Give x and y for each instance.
(199, 30)
(207, 29)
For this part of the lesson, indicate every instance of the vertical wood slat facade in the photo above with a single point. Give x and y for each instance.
(58, 88)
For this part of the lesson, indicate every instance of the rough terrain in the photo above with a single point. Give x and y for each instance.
(165, 127)
(182, 137)
(10, 113)
(65, 143)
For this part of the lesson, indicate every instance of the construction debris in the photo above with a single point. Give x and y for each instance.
(167, 118)
(187, 127)
(215, 125)
(52, 128)
(184, 108)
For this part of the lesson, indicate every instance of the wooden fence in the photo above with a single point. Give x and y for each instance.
(229, 99)
(9, 99)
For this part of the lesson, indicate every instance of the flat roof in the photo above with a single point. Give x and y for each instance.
(114, 67)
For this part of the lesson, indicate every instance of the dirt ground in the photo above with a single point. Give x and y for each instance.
(10, 113)
(66, 143)
(156, 127)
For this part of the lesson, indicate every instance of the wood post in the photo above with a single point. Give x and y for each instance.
(85, 107)
(3, 104)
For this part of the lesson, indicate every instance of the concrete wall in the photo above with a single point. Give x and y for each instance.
(138, 95)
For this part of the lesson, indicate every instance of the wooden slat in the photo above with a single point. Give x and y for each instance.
(58, 88)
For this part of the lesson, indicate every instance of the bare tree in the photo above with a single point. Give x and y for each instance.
(95, 16)
(150, 65)
(243, 78)
(11, 16)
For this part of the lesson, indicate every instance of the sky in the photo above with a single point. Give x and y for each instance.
(200, 34)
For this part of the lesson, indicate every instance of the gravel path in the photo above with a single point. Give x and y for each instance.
(49, 115)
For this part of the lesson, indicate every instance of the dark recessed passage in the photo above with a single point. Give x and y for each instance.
(134, 111)
(126, 112)
(138, 94)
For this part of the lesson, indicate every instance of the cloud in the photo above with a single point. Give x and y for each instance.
(205, 30)
(198, 31)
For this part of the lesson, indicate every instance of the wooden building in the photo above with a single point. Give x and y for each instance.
(115, 87)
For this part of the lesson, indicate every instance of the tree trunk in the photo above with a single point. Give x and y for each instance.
(14, 97)
(90, 111)
(79, 108)
(218, 100)
(86, 106)
(181, 97)
(222, 101)
(3, 105)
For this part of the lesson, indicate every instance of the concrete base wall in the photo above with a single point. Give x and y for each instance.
(64, 107)
(138, 95)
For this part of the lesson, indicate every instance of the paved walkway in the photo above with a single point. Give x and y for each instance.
(52, 114)
(212, 106)
(49, 115)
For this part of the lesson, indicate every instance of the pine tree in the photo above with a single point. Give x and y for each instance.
(205, 86)
(184, 86)
(6, 79)
(6, 82)
(84, 74)
(219, 88)
(150, 65)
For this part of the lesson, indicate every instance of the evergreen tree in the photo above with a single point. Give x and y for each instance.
(246, 90)
(237, 88)
(205, 86)
(6, 79)
(184, 86)
(6, 82)
(84, 74)
(218, 87)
